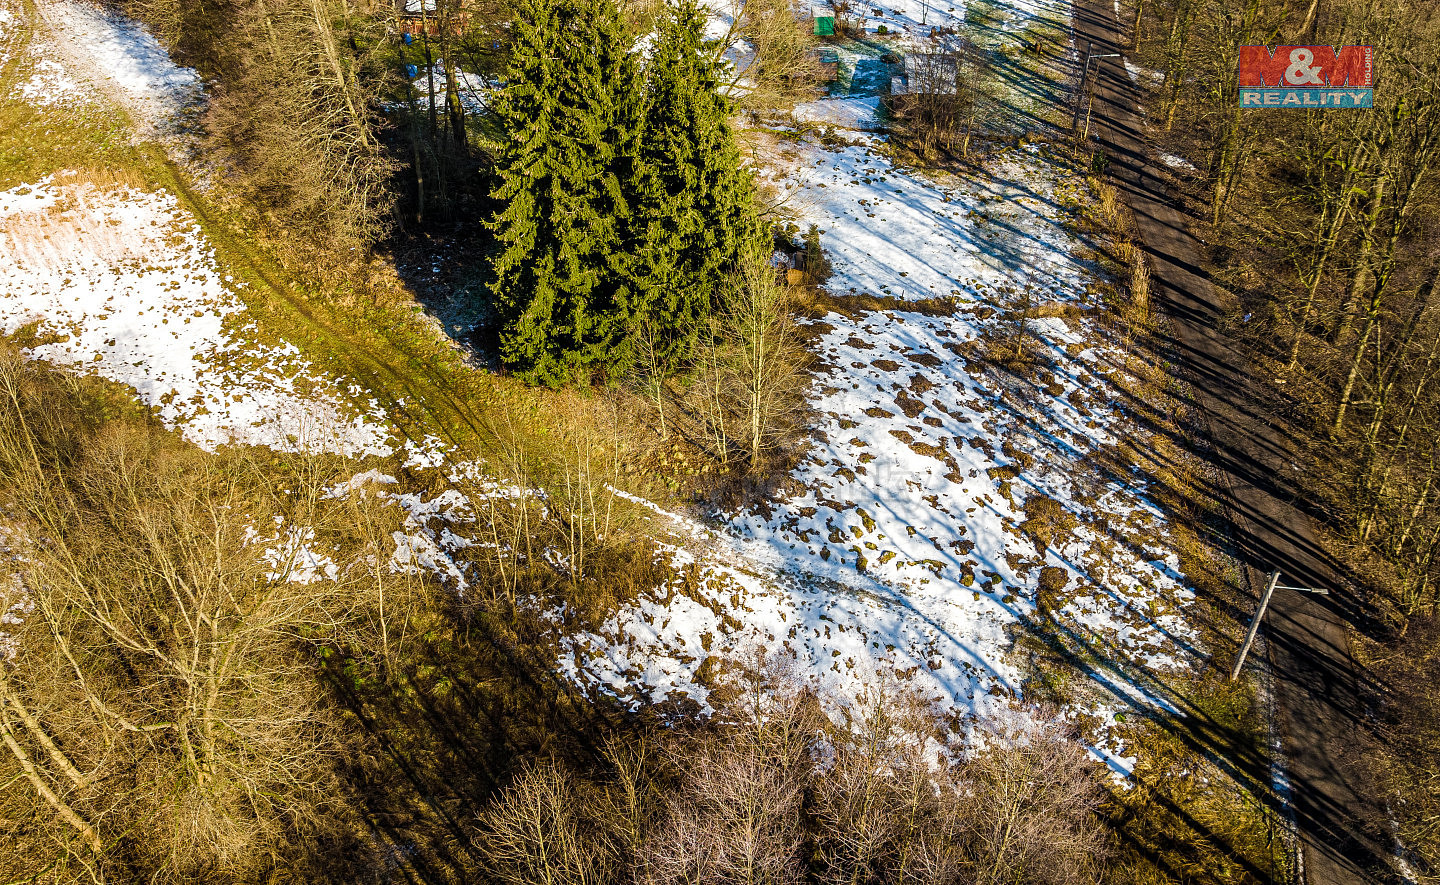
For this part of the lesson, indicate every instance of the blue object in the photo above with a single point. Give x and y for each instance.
(411, 72)
(407, 38)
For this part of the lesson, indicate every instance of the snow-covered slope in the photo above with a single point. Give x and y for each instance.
(121, 281)
(939, 486)
(103, 52)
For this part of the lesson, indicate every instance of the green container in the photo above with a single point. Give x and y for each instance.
(825, 25)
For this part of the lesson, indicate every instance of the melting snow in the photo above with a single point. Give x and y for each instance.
(122, 283)
(292, 557)
(1143, 76)
(891, 232)
(1175, 162)
(848, 113)
(474, 90)
(122, 53)
(50, 85)
(906, 547)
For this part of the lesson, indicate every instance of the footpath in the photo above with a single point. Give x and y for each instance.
(1317, 682)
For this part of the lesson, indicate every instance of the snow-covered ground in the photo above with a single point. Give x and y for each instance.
(51, 84)
(1147, 77)
(122, 283)
(857, 113)
(910, 236)
(116, 56)
(474, 90)
(938, 487)
(1175, 162)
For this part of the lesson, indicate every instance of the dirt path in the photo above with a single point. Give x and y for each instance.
(1316, 679)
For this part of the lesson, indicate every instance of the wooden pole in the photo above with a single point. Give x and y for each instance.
(1255, 624)
(1080, 98)
(1089, 106)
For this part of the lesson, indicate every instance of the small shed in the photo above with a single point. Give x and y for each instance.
(824, 17)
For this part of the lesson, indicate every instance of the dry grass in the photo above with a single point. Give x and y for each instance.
(815, 303)
(1113, 217)
(77, 225)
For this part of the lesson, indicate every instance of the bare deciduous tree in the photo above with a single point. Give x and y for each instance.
(535, 832)
(160, 695)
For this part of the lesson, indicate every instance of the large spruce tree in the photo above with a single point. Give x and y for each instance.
(571, 111)
(624, 204)
(694, 213)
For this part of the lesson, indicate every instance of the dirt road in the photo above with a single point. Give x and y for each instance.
(1316, 679)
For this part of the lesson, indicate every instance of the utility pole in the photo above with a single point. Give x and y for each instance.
(1255, 624)
(1086, 95)
(1260, 613)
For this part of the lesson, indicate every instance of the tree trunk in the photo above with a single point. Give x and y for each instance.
(429, 71)
(58, 805)
(1232, 161)
(10, 700)
(1177, 44)
(1308, 24)
(1325, 246)
(1372, 319)
(342, 79)
(1359, 276)
(454, 110)
(415, 153)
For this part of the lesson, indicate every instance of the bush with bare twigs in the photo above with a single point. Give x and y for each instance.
(159, 706)
(773, 791)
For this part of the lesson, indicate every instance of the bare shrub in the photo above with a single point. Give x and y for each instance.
(939, 111)
(749, 373)
(734, 814)
(1028, 807)
(878, 798)
(1139, 306)
(296, 118)
(772, 791)
(159, 695)
(1047, 521)
(536, 832)
(783, 68)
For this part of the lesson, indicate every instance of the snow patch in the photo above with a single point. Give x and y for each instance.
(1141, 75)
(123, 284)
(846, 113)
(1175, 162)
(292, 557)
(50, 85)
(117, 52)
(894, 233)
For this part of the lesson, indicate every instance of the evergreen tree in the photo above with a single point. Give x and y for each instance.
(571, 113)
(694, 213)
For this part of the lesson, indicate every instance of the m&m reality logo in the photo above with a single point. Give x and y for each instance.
(1299, 77)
